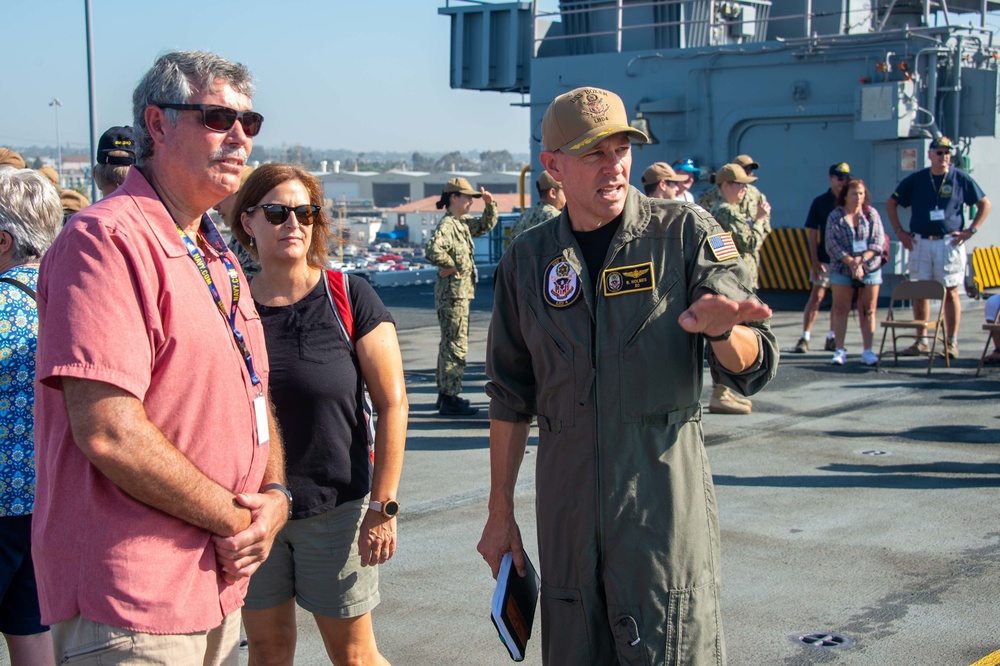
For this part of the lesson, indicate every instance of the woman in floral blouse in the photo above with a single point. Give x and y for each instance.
(31, 215)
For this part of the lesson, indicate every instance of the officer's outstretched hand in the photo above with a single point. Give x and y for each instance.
(713, 314)
(501, 535)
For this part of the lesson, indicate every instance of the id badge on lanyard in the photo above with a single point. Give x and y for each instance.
(212, 237)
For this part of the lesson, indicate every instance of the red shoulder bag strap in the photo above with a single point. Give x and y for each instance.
(339, 293)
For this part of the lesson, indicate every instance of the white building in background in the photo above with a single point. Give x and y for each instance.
(370, 202)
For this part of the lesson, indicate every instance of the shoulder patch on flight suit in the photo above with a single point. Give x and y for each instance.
(626, 279)
(722, 246)
(562, 284)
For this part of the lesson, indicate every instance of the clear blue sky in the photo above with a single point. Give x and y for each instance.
(365, 76)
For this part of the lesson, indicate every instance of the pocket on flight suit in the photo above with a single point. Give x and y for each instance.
(652, 343)
(694, 627)
(626, 622)
(564, 625)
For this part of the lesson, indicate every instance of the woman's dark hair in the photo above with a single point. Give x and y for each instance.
(263, 180)
(445, 200)
(866, 204)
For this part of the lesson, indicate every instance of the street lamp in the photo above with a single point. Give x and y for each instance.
(56, 104)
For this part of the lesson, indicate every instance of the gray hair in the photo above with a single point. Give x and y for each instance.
(30, 211)
(110, 176)
(173, 79)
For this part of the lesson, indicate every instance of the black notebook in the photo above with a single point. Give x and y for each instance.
(514, 605)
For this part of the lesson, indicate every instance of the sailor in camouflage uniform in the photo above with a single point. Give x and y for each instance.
(748, 234)
(450, 248)
(550, 201)
(750, 203)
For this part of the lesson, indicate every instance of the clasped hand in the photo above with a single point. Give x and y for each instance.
(240, 555)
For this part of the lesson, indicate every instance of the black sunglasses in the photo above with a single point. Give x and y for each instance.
(221, 118)
(306, 214)
(939, 153)
(842, 178)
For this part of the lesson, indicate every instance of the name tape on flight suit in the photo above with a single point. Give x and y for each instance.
(627, 279)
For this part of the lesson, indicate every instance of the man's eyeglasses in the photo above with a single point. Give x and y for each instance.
(278, 213)
(221, 118)
(939, 153)
(842, 178)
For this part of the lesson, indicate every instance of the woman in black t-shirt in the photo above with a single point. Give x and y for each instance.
(324, 557)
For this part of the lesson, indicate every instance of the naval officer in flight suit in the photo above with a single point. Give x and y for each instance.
(599, 329)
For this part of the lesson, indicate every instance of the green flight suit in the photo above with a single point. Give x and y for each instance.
(628, 531)
(451, 246)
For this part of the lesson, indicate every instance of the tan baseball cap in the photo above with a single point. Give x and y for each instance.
(733, 173)
(661, 171)
(461, 186)
(578, 120)
(73, 201)
(50, 174)
(547, 182)
(746, 162)
(9, 158)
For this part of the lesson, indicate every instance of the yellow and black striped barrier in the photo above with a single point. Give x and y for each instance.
(784, 261)
(986, 268)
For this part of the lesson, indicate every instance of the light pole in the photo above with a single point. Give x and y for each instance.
(55, 103)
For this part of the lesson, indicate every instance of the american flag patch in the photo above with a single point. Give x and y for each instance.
(723, 247)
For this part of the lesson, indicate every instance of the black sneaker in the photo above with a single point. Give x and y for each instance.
(801, 347)
(453, 406)
(831, 345)
(437, 405)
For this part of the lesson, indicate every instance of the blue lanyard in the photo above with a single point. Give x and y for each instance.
(214, 238)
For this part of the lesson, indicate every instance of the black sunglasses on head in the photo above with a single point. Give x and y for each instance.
(221, 118)
(277, 213)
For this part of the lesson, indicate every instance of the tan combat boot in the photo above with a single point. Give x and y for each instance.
(725, 401)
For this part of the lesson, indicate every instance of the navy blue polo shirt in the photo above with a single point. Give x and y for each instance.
(926, 192)
(819, 211)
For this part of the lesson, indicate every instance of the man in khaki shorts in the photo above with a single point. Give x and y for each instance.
(938, 196)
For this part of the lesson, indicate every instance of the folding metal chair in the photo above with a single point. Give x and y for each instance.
(915, 328)
(990, 329)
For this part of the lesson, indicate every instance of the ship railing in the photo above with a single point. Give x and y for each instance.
(708, 22)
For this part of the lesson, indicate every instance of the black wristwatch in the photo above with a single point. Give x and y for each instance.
(719, 338)
(288, 494)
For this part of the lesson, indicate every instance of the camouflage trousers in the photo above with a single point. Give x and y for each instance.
(453, 316)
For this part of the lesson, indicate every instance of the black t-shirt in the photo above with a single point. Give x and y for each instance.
(594, 247)
(317, 394)
(819, 211)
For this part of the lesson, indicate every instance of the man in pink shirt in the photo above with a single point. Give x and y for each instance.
(159, 468)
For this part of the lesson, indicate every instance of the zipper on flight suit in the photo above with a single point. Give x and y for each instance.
(617, 244)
